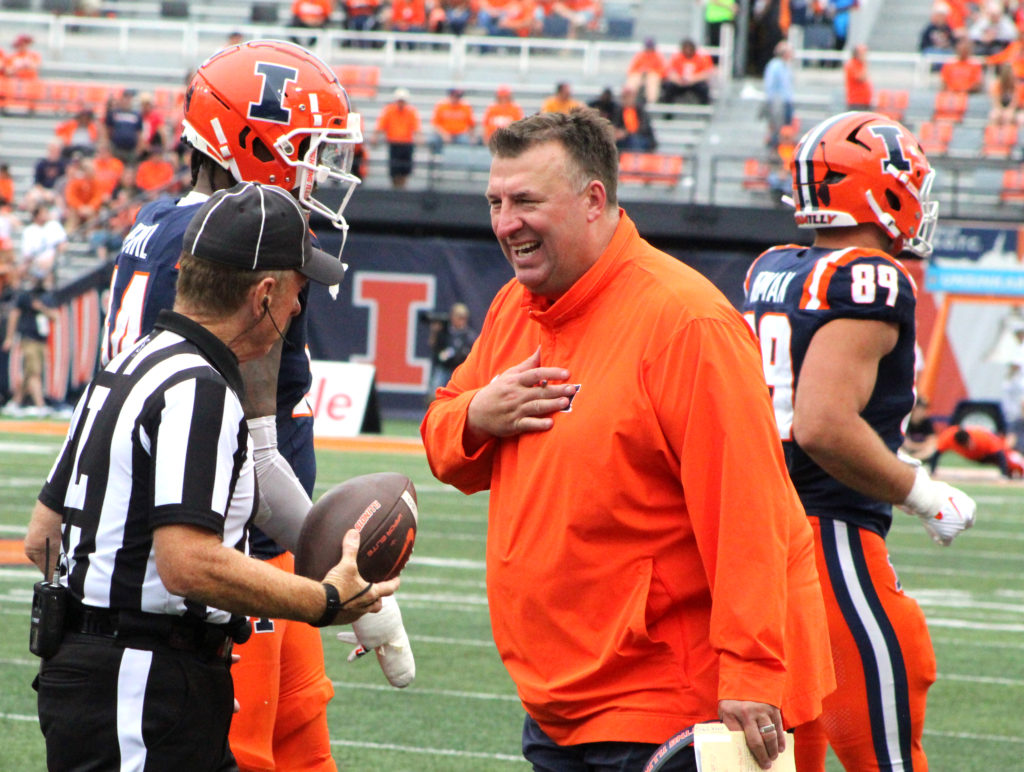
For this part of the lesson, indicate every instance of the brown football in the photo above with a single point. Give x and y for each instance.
(381, 506)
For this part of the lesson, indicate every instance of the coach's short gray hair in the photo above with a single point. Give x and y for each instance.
(588, 138)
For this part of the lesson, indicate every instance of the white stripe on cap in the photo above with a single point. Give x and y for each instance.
(263, 222)
(209, 214)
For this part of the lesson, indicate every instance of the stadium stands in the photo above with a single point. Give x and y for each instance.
(143, 50)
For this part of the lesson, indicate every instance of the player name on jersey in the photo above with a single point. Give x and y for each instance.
(770, 286)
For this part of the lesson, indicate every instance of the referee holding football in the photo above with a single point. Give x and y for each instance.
(151, 498)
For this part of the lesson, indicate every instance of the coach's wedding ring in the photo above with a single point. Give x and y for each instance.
(767, 729)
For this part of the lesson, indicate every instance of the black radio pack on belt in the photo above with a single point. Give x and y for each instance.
(49, 607)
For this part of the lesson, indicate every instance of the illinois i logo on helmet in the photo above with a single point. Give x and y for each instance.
(861, 167)
(283, 120)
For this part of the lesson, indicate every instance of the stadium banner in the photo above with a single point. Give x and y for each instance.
(338, 397)
(969, 312)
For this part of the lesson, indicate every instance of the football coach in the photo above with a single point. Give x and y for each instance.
(143, 517)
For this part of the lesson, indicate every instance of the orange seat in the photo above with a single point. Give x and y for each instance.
(999, 140)
(650, 168)
(360, 81)
(950, 106)
(61, 97)
(892, 103)
(755, 174)
(1013, 185)
(22, 94)
(934, 136)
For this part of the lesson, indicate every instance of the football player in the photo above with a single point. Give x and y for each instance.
(263, 111)
(836, 329)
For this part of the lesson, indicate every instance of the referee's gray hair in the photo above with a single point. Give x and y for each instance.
(215, 289)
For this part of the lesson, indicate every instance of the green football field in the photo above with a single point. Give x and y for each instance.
(462, 714)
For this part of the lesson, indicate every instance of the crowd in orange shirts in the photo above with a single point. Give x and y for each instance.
(518, 18)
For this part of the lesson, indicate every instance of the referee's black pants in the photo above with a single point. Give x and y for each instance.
(105, 705)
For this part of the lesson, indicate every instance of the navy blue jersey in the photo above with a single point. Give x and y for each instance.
(146, 272)
(144, 280)
(791, 292)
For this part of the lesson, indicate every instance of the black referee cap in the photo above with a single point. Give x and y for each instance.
(258, 227)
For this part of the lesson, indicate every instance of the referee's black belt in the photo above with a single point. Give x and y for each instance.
(187, 634)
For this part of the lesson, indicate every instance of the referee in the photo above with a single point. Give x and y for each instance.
(154, 480)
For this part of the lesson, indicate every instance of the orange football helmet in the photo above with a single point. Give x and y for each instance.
(861, 167)
(270, 111)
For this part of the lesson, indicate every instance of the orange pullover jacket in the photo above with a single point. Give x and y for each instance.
(648, 555)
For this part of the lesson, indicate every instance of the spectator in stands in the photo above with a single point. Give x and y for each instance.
(234, 38)
(858, 81)
(311, 14)
(91, 9)
(8, 259)
(104, 233)
(580, 14)
(646, 70)
(361, 15)
(79, 134)
(83, 193)
(960, 11)
(717, 14)
(633, 130)
(155, 173)
(920, 437)
(23, 61)
(108, 168)
(938, 37)
(607, 105)
(688, 75)
(561, 101)
(48, 171)
(963, 73)
(778, 91)
(979, 444)
(42, 241)
(504, 110)
(519, 19)
(6, 186)
(489, 13)
(29, 325)
(1005, 96)
(841, 10)
(766, 33)
(1013, 54)
(154, 130)
(408, 16)
(123, 124)
(399, 124)
(453, 122)
(993, 30)
(457, 16)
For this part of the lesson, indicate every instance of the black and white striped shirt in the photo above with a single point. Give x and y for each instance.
(158, 438)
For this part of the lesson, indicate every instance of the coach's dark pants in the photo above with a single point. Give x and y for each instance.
(104, 705)
(547, 756)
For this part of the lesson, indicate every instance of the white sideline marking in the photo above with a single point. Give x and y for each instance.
(963, 624)
(971, 679)
(430, 751)
(970, 736)
(29, 447)
(973, 642)
(452, 693)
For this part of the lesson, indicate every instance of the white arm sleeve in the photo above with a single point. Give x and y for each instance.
(283, 501)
